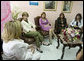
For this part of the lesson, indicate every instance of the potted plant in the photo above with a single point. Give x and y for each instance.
(15, 13)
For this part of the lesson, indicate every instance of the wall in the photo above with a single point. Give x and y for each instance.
(77, 7)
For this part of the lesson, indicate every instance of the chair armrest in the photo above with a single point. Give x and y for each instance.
(38, 27)
(23, 33)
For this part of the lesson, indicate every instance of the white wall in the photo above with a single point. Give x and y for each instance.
(77, 7)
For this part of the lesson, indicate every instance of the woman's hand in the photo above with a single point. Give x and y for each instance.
(32, 48)
(33, 29)
(46, 25)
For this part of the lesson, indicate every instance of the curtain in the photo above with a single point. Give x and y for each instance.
(5, 13)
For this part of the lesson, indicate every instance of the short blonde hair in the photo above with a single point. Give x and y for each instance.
(12, 30)
(25, 14)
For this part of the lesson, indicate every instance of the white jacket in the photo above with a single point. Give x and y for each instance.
(18, 50)
(27, 26)
(73, 23)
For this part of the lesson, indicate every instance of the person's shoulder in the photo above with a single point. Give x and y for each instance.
(13, 42)
(65, 18)
(58, 18)
(40, 18)
(19, 43)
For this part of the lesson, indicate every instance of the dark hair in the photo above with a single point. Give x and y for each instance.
(25, 14)
(43, 13)
(62, 14)
(80, 17)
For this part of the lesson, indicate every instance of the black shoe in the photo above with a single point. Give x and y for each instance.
(40, 51)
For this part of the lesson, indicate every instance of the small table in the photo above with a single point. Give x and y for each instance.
(69, 44)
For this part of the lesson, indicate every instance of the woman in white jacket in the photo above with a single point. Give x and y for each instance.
(77, 22)
(13, 47)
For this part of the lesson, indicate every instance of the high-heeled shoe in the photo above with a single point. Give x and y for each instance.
(47, 44)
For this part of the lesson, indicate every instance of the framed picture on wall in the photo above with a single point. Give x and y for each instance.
(50, 5)
(67, 6)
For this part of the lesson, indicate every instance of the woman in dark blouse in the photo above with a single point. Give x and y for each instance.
(60, 23)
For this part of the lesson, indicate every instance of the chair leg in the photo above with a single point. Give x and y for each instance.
(58, 44)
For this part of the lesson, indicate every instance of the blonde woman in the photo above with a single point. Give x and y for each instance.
(14, 48)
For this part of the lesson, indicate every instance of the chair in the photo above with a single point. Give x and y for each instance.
(29, 40)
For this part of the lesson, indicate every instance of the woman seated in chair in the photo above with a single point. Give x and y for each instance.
(60, 23)
(15, 48)
(30, 31)
(45, 25)
(77, 22)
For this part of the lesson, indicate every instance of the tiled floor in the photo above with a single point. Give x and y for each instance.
(51, 53)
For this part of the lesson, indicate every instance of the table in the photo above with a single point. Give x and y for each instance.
(67, 44)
